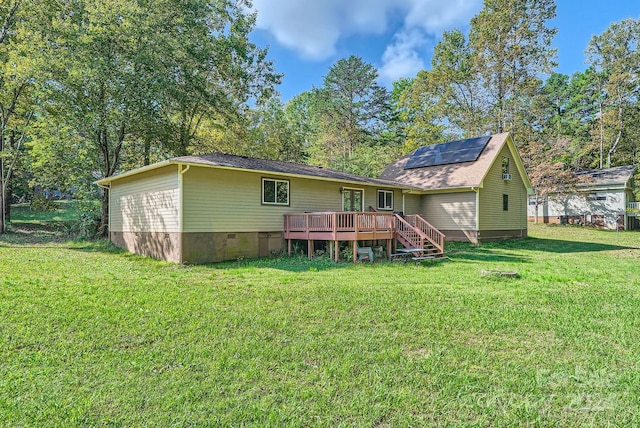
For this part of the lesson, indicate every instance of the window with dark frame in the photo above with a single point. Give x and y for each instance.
(597, 197)
(385, 199)
(275, 192)
(505, 202)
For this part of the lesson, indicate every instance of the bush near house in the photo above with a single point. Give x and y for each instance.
(91, 335)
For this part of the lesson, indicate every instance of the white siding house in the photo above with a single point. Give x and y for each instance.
(601, 198)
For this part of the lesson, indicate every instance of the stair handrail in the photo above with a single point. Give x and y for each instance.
(408, 226)
(432, 234)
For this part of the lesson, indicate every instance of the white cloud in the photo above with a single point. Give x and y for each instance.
(402, 58)
(313, 27)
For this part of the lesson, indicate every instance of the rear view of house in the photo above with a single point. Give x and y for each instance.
(209, 208)
(199, 209)
(599, 198)
(471, 190)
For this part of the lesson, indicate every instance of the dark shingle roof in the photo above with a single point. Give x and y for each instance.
(244, 162)
(619, 175)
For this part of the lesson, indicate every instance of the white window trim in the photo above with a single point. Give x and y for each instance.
(385, 192)
(342, 189)
(276, 180)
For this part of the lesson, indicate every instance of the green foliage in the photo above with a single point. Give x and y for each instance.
(40, 202)
(96, 336)
(352, 110)
(418, 113)
(616, 55)
(125, 73)
(511, 43)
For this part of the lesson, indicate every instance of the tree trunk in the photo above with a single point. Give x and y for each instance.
(8, 193)
(147, 151)
(104, 214)
(1, 204)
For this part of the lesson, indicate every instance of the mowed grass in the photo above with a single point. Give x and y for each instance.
(90, 335)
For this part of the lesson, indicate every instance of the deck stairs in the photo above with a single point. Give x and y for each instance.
(412, 231)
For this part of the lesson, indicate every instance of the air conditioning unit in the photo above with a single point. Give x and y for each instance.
(506, 177)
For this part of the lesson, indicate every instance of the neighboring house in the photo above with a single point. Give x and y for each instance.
(600, 198)
(198, 209)
(471, 190)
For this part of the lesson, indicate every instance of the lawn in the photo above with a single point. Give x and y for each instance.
(90, 335)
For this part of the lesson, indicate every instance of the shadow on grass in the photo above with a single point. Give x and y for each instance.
(286, 263)
(515, 250)
(486, 255)
(563, 246)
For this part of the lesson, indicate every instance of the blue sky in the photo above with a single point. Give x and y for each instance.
(306, 37)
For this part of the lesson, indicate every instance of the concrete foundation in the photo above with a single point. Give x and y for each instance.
(200, 247)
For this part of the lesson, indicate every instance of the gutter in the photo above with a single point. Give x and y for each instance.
(167, 162)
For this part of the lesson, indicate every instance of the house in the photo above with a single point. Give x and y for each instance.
(471, 190)
(599, 198)
(199, 209)
(208, 208)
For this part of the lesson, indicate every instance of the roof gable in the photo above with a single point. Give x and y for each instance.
(460, 175)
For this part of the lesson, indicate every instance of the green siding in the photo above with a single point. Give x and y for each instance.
(221, 200)
(450, 211)
(147, 202)
(492, 216)
(412, 204)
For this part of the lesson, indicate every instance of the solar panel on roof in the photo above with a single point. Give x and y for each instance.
(447, 153)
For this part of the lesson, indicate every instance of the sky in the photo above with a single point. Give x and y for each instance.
(306, 37)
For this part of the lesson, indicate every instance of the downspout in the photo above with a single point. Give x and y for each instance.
(181, 206)
(477, 190)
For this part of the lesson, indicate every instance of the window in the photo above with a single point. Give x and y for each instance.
(275, 192)
(541, 200)
(505, 165)
(597, 197)
(505, 202)
(385, 200)
(352, 199)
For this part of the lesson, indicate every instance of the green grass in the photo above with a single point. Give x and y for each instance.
(90, 335)
(64, 211)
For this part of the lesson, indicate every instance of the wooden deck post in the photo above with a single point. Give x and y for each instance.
(355, 251)
(310, 248)
(337, 247)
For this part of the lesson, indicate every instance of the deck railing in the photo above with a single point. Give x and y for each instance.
(338, 222)
(409, 235)
(412, 231)
(432, 234)
(633, 206)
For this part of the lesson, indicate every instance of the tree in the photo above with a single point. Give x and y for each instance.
(418, 112)
(512, 48)
(615, 54)
(547, 170)
(18, 52)
(119, 69)
(354, 109)
(453, 81)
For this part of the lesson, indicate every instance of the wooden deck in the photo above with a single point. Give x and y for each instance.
(339, 226)
(361, 226)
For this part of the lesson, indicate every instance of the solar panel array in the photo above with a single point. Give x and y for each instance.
(447, 153)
